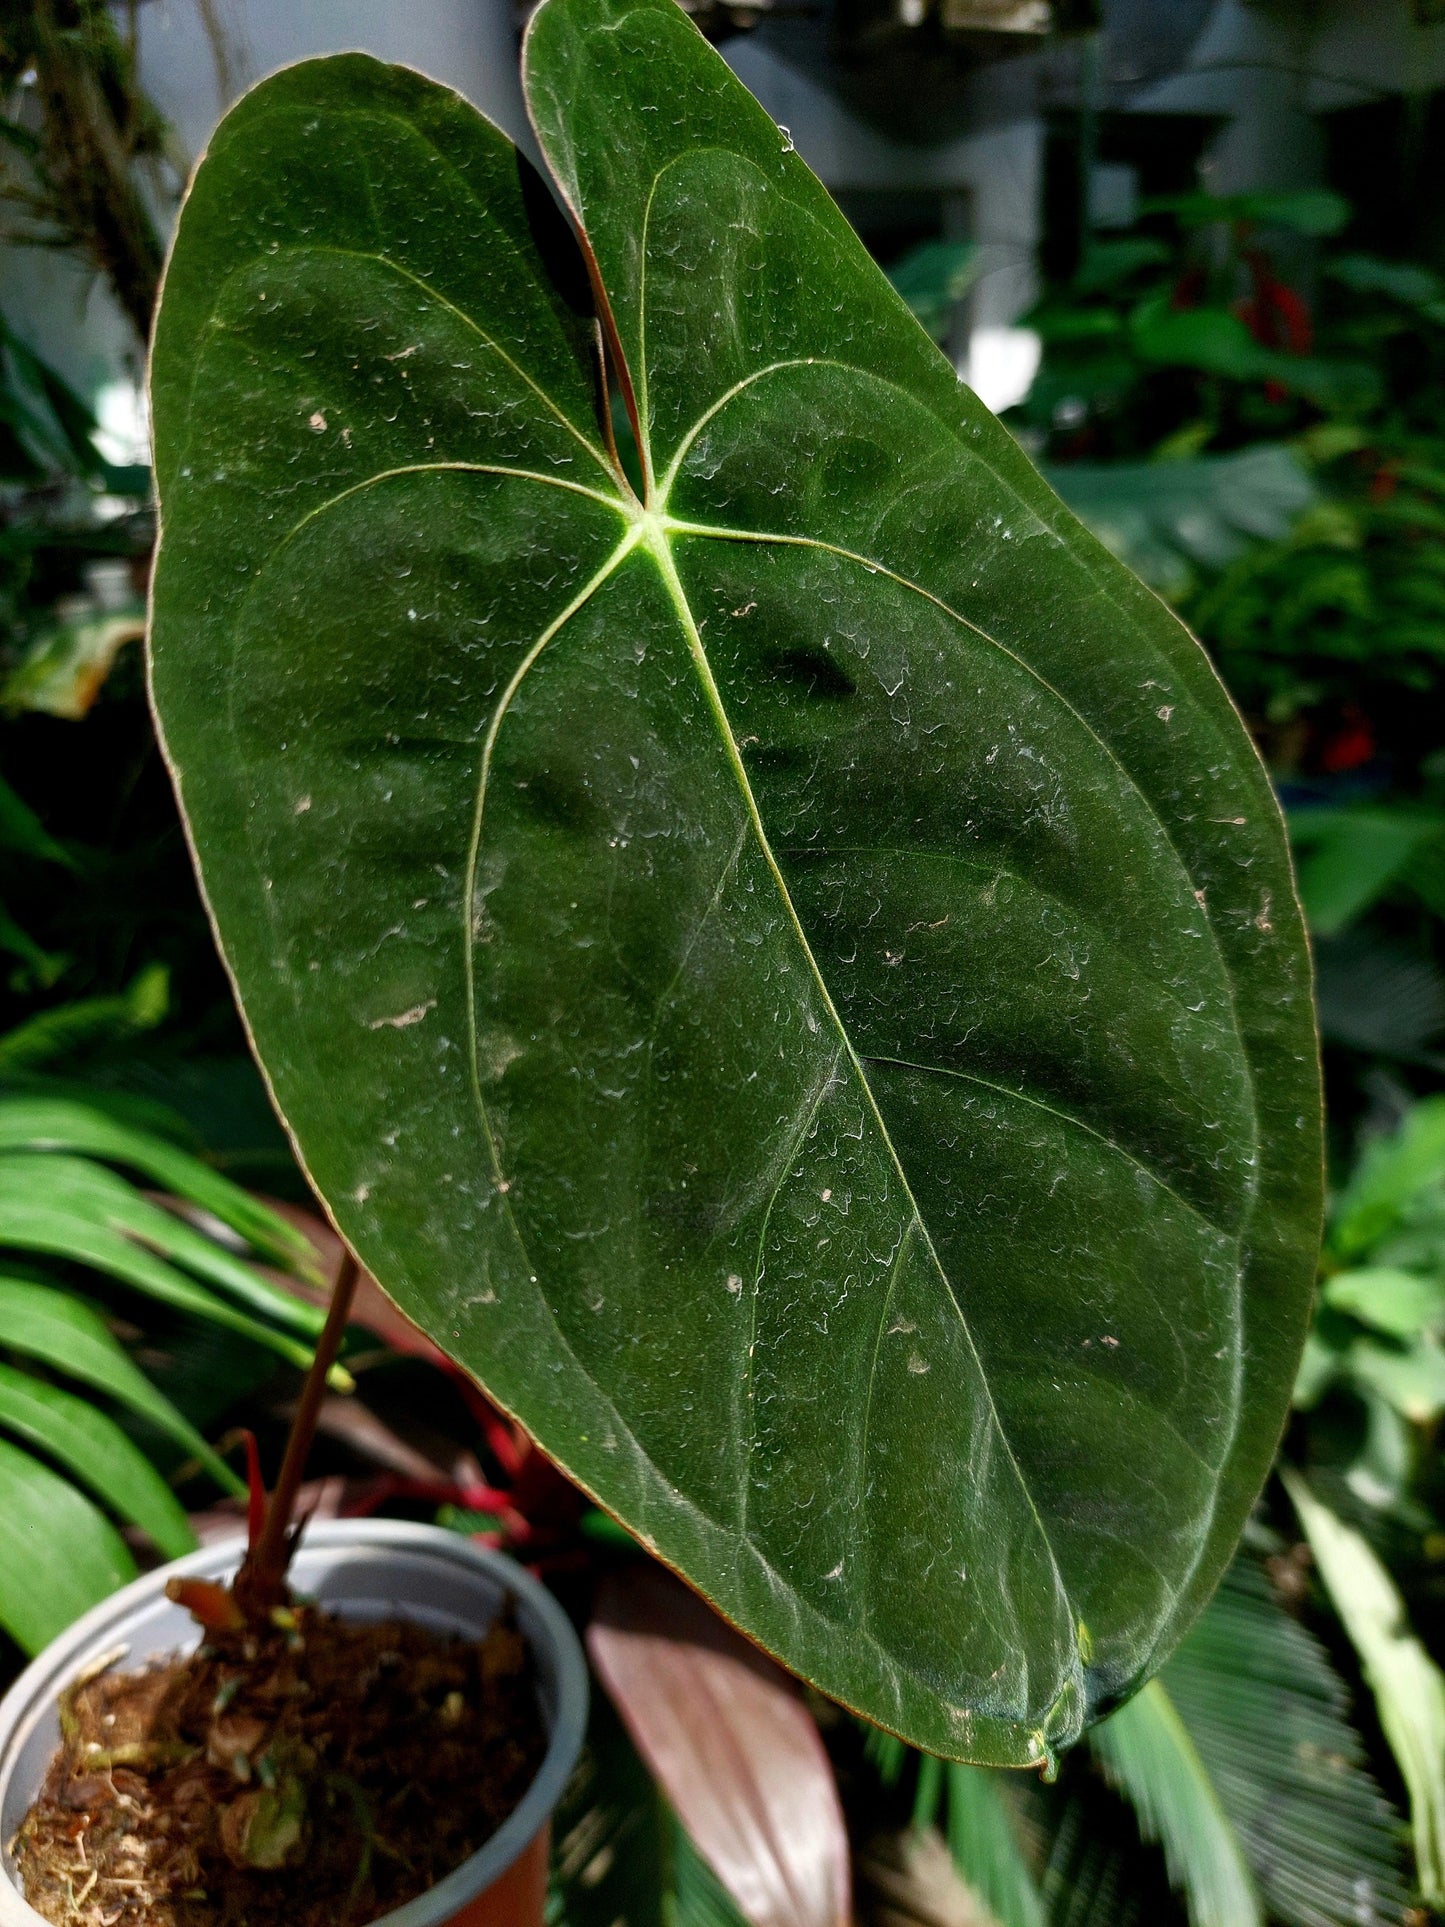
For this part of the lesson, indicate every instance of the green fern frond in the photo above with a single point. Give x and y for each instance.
(1090, 1874)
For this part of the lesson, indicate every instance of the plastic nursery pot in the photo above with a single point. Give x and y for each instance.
(366, 1569)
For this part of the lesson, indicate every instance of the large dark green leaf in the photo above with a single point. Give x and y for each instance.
(796, 984)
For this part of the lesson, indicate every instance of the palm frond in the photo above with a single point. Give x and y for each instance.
(983, 1837)
(1390, 1176)
(59, 1122)
(1269, 1718)
(59, 1554)
(1093, 1869)
(1146, 1751)
(61, 1201)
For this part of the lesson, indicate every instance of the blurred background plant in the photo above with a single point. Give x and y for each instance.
(1244, 394)
(82, 1245)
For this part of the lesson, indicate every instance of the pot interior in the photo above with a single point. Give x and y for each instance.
(362, 1570)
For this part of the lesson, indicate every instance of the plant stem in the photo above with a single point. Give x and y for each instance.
(261, 1582)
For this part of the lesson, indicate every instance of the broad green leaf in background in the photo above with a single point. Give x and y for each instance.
(1217, 342)
(794, 981)
(1379, 996)
(51, 426)
(1393, 1172)
(1170, 520)
(1310, 210)
(66, 669)
(1412, 1378)
(1399, 1303)
(1350, 857)
(933, 278)
(1403, 281)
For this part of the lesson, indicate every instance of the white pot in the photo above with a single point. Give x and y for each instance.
(364, 1569)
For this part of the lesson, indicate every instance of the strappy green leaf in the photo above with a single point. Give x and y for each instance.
(70, 1336)
(47, 1121)
(59, 1555)
(94, 1448)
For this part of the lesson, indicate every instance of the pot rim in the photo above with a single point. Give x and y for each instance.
(39, 1686)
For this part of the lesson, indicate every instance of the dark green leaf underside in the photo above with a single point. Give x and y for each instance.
(795, 983)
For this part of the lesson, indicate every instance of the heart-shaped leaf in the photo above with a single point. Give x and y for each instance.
(793, 980)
